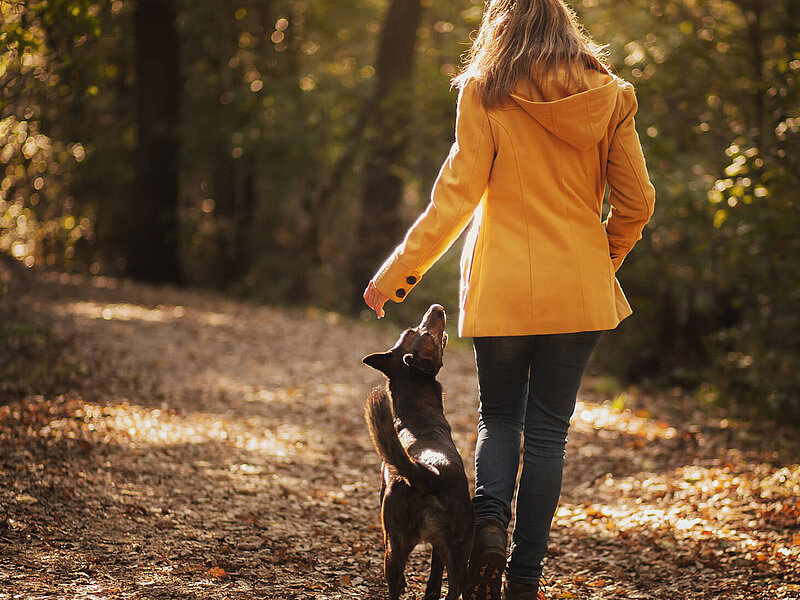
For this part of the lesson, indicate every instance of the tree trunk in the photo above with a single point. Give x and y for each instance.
(754, 15)
(234, 194)
(380, 225)
(152, 228)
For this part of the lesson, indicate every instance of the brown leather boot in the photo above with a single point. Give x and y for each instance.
(513, 590)
(487, 562)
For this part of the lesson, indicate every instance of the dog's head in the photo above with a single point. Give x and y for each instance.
(419, 349)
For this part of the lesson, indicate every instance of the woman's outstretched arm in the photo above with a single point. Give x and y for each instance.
(457, 192)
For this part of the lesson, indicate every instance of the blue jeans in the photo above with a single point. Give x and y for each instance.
(526, 383)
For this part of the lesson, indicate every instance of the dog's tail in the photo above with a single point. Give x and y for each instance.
(380, 419)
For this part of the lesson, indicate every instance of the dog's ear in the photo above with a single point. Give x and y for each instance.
(380, 361)
(426, 365)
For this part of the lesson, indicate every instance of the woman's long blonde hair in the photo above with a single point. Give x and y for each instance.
(523, 39)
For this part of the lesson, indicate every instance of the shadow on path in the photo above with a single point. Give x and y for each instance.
(215, 448)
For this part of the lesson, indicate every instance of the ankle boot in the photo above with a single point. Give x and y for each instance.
(513, 590)
(486, 562)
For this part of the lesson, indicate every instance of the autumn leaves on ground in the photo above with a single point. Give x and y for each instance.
(159, 443)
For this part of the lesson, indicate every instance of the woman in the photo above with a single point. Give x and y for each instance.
(542, 127)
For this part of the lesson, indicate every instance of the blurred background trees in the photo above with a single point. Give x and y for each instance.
(263, 148)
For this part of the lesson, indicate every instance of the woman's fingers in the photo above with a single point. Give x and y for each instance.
(378, 308)
(374, 299)
(369, 298)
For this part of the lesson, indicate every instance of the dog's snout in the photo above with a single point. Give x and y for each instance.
(435, 319)
(436, 311)
(437, 308)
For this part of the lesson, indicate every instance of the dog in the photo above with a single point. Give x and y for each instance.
(424, 493)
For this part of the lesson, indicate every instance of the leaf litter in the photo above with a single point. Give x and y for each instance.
(199, 447)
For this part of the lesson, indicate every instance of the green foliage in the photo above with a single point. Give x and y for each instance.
(63, 139)
(275, 130)
(715, 282)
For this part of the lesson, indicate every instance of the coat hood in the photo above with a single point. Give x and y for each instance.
(579, 118)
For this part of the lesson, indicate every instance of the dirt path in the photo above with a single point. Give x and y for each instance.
(214, 449)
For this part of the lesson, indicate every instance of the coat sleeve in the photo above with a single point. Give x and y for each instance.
(456, 193)
(632, 196)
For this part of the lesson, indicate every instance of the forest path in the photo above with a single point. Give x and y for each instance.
(208, 448)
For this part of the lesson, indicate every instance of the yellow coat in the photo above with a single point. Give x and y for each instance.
(531, 175)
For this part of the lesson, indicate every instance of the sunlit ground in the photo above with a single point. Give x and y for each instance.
(220, 449)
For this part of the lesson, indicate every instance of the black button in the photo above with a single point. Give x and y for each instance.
(400, 292)
(411, 280)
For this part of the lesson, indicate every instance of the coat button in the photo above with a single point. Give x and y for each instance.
(411, 280)
(400, 292)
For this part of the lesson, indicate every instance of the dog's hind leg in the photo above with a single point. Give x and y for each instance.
(433, 590)
(456, 563)
(394, 564)
(400, 533)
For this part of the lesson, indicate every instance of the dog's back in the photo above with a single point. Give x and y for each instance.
(419, 447)
(380, 420)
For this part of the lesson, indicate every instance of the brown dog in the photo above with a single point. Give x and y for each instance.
(424, 494)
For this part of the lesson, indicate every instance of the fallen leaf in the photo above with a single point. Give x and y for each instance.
(216, 573)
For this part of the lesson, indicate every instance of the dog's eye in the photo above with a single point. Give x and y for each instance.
(431, 337)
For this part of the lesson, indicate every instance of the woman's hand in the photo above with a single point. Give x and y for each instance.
(374, 299)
